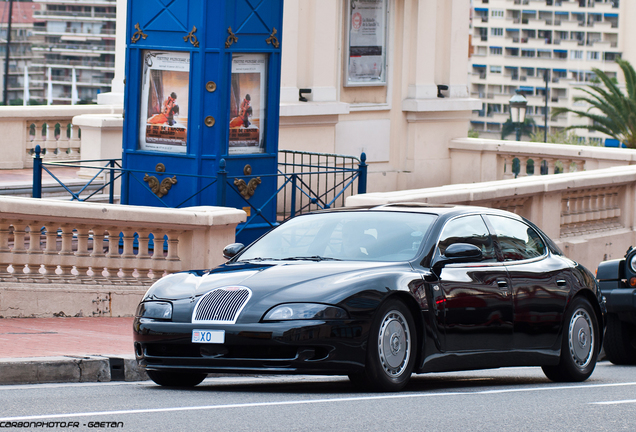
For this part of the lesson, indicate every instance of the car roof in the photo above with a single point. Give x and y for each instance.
(448, 210)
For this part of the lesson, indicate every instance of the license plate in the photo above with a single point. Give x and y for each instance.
(208, 336)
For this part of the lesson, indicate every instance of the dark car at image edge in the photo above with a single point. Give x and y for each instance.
(377, 294)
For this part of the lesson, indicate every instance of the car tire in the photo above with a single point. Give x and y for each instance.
(620, 341)
(391, 350)
(176, 379)
(579, 346)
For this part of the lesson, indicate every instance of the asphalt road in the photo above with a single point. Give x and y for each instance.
(512, 399)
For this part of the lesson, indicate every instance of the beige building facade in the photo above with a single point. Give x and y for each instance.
(516, 42)
(402, 125)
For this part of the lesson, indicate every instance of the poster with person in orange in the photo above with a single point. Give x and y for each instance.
(247, 104)
(164, 107)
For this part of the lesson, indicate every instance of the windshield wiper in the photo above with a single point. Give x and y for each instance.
(297, 258)
(310, 258)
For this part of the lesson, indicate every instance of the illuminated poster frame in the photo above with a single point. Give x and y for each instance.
(366, 50)
(165, 94)
(248, 103)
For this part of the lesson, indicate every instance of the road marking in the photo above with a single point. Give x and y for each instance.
(308, 402)
(614, 402)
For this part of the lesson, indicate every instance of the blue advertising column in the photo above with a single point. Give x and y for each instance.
(203, 92)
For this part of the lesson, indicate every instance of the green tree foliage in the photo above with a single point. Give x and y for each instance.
(473, 134)
(561, 137)
(612, 112)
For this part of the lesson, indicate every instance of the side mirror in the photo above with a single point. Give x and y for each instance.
(459, 253)
(232, 250)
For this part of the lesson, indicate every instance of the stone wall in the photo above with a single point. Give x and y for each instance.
(86, 259)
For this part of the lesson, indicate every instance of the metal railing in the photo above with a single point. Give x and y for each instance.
(306, 182)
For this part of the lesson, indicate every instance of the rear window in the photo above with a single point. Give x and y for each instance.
(517, 240)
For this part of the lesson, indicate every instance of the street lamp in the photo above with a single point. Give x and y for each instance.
(518, 105)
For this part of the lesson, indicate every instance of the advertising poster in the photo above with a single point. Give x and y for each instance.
(367, 42)
(247, 103)
(164, 102)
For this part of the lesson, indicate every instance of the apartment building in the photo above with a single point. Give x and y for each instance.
(78, 38)
(21, 54)
(517, 42)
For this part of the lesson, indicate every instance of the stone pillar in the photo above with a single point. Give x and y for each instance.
(289, 70)
(116, 94)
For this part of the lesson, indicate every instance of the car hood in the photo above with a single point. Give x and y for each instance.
(273, 283)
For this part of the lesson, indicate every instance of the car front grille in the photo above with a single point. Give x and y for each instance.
(221, 306)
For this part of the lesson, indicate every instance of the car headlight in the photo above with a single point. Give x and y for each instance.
(305, 311)
(155, 309)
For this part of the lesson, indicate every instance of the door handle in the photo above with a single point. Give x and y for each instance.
(502, 284)
(561, 282)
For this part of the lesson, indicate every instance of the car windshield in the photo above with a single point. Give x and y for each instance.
(354, 235)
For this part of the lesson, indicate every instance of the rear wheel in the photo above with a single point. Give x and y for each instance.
(579, 348)
(391, 349)
(176, 379)
(620, 341)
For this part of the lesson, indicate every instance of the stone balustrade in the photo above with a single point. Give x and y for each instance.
(49, 249)
(50, 127)
(476, 160)
(591, 215)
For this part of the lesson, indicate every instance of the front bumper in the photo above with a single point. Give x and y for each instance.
(620, 300)
(307, 347)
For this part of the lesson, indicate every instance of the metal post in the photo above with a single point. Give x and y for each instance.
(518, 131)
(6, 56)
(293, 196)
(545, 132)
(221, 182)
(362, 179)
(111, 187)
(37, 173)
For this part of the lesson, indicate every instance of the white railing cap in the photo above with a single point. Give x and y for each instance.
(44, 112)
(563, 151)
(50, 210)
(502, 189)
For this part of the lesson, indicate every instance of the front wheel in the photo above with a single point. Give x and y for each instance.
(391, 349)
(176, 379)
(580, 345)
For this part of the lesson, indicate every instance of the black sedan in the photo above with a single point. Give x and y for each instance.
(377, 294)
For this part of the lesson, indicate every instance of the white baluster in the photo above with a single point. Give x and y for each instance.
(66, 253)
(5, 252)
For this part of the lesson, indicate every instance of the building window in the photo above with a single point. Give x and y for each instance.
(496, 51)
(497, 13)
(593, 55)
(366, 42)
(576, 55)
(527, 53)
(496, 31)
(495, 69)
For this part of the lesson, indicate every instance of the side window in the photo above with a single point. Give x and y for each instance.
(471, 230)
(517, 240)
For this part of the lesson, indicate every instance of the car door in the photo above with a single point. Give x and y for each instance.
(539, 282)
(478, 311)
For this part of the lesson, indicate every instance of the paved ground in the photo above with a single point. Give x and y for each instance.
(45, 337)
(46, 350)
(508, 399)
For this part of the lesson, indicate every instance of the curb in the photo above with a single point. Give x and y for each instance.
(70, 369)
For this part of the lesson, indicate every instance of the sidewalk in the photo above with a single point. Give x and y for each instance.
(35, 350)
